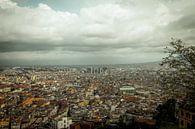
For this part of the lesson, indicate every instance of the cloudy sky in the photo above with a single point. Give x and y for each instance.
(92, 31)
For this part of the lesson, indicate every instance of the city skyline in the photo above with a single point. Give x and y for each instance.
(49, 32)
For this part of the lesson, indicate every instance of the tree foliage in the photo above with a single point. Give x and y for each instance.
(166, 112)
(179, 65)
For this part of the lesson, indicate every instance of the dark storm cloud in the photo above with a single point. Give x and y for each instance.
(18, 46)
(110, 31)
(184, 23)
(192, 37)
(33, 47)
(96, 47)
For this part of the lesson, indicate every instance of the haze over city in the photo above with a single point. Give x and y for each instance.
(66, 32)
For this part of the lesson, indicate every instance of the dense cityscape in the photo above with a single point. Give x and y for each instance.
(63, 96)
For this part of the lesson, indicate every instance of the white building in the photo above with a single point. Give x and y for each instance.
(5, 89)
(127, 90)
(62, 121)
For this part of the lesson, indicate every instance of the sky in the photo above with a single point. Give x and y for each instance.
(69, 32)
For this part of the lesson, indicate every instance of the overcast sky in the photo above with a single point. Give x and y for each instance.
(92, 31)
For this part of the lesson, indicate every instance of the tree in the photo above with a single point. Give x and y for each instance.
(179, 66)
(178, 72)
(166, 112)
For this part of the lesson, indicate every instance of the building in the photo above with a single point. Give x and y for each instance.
(186, 114)
(83, 125)
(62, 120)
(143, 123)
(5, 89)
(127, 90)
